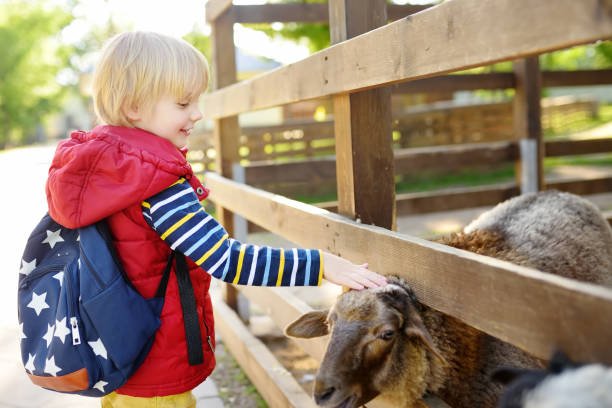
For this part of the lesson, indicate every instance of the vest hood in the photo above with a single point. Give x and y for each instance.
(98, 173)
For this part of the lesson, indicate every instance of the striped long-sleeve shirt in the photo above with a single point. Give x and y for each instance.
(180, 220)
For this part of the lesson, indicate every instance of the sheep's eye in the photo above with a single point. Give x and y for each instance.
(387, 335)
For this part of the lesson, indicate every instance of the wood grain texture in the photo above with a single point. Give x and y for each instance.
(214, 8)
(226, 130)
(284, 308)
(306, 12)
(498, 80)
(362, 127)
(449, 37)
(535, 311)
(275, 384)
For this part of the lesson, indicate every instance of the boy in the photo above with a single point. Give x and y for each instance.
(133, 172)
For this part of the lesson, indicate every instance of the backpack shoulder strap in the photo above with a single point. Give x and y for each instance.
(104, 230)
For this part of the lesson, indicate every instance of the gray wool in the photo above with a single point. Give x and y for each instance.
(589, 386)
(559, 233)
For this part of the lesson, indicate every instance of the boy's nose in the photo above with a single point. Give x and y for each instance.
(196, 114)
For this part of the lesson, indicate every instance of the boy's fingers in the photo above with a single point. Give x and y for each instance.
(380, 280)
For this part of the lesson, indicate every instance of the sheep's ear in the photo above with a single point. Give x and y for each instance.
(505, 375)
(414, 327)
(309, 325)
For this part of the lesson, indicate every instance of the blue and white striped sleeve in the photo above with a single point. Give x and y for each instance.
(180, 220)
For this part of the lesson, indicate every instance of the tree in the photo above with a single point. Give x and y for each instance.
(314, 35)
(32, 55)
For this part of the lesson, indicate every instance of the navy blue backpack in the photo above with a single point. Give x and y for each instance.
(84, 327)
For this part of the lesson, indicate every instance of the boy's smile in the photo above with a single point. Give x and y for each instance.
(169, 118)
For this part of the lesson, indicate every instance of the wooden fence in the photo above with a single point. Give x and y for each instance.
(529, 308)
(441, 123)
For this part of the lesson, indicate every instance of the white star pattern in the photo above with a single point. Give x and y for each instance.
(29, 366)
(60, 277)
(53, 237)
(49, 335)
(21, 334)
(98, 347)
(51, 368)
(61, 329)
(100, 385)
(27, 267)
(38, 303)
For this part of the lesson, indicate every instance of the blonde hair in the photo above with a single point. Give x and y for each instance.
(137, 68)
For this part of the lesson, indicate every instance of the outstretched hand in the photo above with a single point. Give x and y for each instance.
(342, 272)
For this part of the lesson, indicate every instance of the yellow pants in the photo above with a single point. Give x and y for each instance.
(114, 400)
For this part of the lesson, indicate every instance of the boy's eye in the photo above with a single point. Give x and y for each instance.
(183, 105)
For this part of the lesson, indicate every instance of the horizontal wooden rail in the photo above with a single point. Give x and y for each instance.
(284, 307)
(469, 197)
(467, 82)
(275, 384)
(305, 12)
(449, 37)
(535, 311)
(575, 147)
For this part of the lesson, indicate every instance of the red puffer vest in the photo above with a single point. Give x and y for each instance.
(107, 173)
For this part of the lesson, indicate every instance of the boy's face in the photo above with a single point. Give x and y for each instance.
(169, 118)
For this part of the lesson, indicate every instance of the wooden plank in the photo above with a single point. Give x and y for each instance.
(306, 12)
(226, 130)
(362, 127)
(454, 198)
(214, 8)
(535, 311)
(272, 380)
(499, 80)
(470, 197)
(528, 124)
(577, 78)
(452, 83)
(574, 147)
(583, 186)
(284, 308)
(452, 36)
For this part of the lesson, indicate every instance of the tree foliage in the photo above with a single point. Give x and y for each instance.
(31, 58)
(316, 37)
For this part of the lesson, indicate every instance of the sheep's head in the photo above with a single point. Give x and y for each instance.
(377, 340)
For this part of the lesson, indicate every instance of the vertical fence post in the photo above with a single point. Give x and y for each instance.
(528, 124)
(362, 126)
(241, 231)
(226, 131)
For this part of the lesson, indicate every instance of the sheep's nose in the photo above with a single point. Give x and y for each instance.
(321, 397)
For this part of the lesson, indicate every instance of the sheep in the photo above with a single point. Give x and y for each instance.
(385, 344)
(562, 385)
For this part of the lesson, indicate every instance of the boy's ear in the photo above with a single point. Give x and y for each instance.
(131, 112)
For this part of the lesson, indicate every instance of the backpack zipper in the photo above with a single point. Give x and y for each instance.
(74, 323)
(38, 273)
